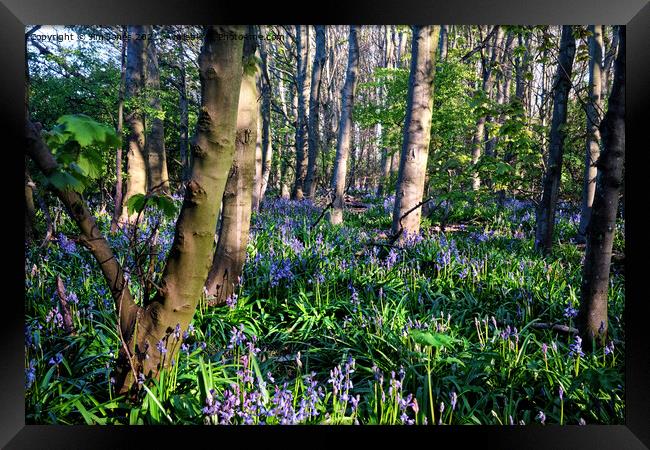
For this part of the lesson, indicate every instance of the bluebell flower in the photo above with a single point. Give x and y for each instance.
(570, 311)
(30, 374)
(576, 347)
(161, 347)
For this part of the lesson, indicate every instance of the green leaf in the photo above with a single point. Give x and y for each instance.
(166, 205)
(86, 131)
(436, 340)
(135, 204)
(65, 181)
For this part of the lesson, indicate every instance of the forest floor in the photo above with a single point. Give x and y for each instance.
(325, 329)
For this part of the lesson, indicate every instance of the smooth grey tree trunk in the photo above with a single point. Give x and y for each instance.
(479, 141)
(136, 166)
(302, 86)
(503, 91)
(314, 110)
(183, 115)
(157, 176)
(117, 210)
(267, 149)
(593, 117)
(444, 42)
(345, 129)
(417, 132)
(592, 315)
(561, 86)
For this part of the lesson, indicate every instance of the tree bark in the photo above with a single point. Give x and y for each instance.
(136, 167)
(267, 148)
(157, 176)
(117, 211)
(229, 257)
(562, 84)
(592, 315)
(417, 132)
(479, 140)
(30, 209)
(609, 59)
(314, 110)
(302, 86)
(188, 263)
(345, 129)
(257, 178)
(503, 90)
(444, 42)
(593, 117)
(183, 115)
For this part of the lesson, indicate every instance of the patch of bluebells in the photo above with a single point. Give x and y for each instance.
(389, 204)
(280, 270)
(67, 245)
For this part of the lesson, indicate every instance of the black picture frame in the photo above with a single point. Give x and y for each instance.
(634, 14)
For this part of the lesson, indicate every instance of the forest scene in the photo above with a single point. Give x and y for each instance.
(325, 224)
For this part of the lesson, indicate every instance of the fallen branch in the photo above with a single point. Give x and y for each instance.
(555, 327)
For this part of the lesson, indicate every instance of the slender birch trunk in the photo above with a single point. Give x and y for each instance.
(345, 129)
(117, 210)
(135, 167)
(314, 110)
(302, 86)
(562, 84)
(157, 175)
(593, 115)
(417, 132)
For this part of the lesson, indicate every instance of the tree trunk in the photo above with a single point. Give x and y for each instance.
(183, 116)
(117, 211)
(229, 257)
(479, 140)
(188, 263)
(257, 178)
(345, 129)
(417, 132)
(135, 167)
(593, 117)
(562, 84)
(385, 156)
(302, 86)
(30, 209)
(267, 148)
(444, 42)
(503, 91)
(157, 176)
(609, 59)
(592, 316)
(314, 109)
